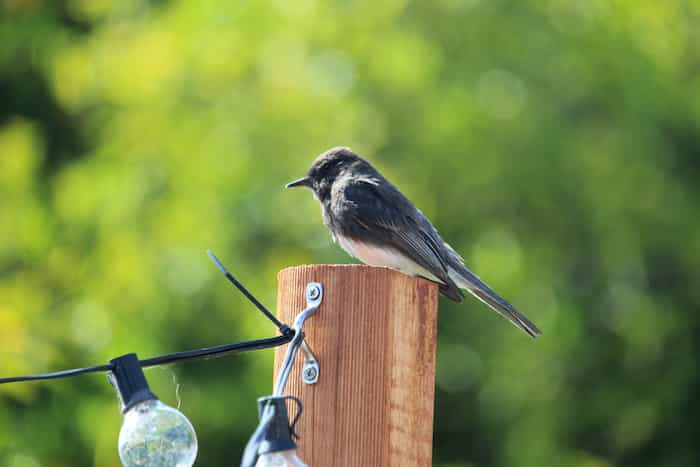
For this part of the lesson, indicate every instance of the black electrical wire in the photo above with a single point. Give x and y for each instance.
(284, 329)
(215, 351)
(57, 374)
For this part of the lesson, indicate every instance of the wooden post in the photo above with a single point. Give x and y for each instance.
(374, 336)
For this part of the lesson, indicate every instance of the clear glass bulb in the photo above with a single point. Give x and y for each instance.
(280, 459)
(156, 435)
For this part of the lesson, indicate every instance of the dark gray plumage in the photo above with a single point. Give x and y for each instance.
(374, 222)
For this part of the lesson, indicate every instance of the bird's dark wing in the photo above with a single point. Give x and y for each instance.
(380, 214)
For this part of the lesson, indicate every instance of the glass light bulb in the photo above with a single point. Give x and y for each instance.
(280, 459)
(156, 435)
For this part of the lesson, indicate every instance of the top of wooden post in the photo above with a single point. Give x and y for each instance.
(352, 269)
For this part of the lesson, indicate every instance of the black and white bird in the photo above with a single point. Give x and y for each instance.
(375, 223)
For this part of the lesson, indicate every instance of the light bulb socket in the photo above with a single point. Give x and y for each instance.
(278, 436)
(128, 379)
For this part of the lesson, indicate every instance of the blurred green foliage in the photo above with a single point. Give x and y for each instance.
(555, 144)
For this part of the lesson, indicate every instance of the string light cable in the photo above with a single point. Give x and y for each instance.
(287, 334)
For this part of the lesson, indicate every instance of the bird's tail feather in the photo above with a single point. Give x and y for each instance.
(469, 281)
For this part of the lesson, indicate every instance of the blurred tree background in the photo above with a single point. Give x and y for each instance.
(554, 143)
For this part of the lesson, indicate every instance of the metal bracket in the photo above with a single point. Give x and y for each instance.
(311, 370)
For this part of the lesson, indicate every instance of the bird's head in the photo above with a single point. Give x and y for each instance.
(326, 169)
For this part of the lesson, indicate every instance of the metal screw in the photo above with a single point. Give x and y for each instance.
(314, 292)
(310, 375)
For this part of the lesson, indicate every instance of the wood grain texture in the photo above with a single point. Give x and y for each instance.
(374, 336)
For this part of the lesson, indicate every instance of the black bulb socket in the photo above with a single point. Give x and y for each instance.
(128, 379)
(278, 436)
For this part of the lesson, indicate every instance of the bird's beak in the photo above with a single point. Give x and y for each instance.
(303, 181)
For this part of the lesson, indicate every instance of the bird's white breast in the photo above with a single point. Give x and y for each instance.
(382, 256)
